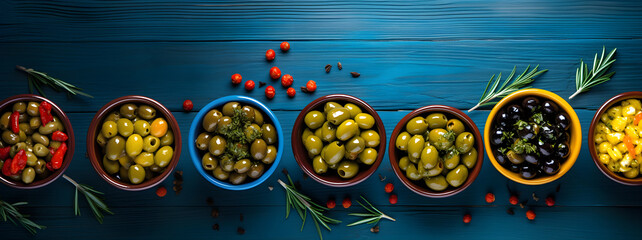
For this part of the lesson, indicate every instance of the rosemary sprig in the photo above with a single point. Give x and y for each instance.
(302, 204)
(10, 212)
(371, 217)
(585, 80)
(494, 92)
(94, 199)
(36, 79)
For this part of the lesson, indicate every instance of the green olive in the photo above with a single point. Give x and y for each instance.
(248, 112)
(353, 109)
(368, 156)
(151, 144)
(329, 106)
(209, 162)
(125, 161)
(258, 117)
(125, 127)
(42, 139)
(258, 149)
(334, 152)
(33, 109)
(163, 156)
(469, 159)
(347, 130)
(40, 150)
(134, 145)
(371, 138)
(220, 174)
(318, 133)
(456, 126)
(54, 144)
(28, 175)
(441, 139)
(142, 128)
(437, 183)
(168, 139)
(347, 169)
(436, 120)
(364, 120)
(328, 132)
(438, 169)
(223, 124)
(337, 115)
(237, 178)
(146, 112)
(242, 166)
(252, 132)
(51, 127)
(319, 165)
(412, 173)
(404, 162)
(144, 159)
(270, 155)
(156, 169)
(354, 147)
(113, 116)
(41, 166)
(31, 158)
(20, 107)
(314, 119)
(457, 176)
(4, 120)
(115, 148)
(226, 163)
(256, 170)
(35, 123)
(101, 140)
(136, 174)
(230, 107)
(123, 174)
(128, 110)
(415, 147)
(632, 173)
(217, 145)
(313, 144)
(452, 160)
(417, 125)
(203, 140)
(402, 141)
(25, 128)
(269, 133)
(211, 120)
(111, 167)
(465, 142)
(429, 157)
(514, 158)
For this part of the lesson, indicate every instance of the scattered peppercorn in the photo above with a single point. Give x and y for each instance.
(328, 68)
(215, 226)
(374, 229)
(467, 218)
(161, 191)
(490, 197)
(240, 230)
(215, 212)
(270, 92)
(331, 203)
(550, 201)
(291, 92)
(241, 217)
(285, 46)
(287, 80)
(236, 78)
(339, 66)
(510, 211)
(347, 202)
(249, 85)
(261, 84)
(530, 214)
(275, 73)
(270, 55)
(178, 181)
(188, 105)
(209, 201)
(355, 74)
(311, 86)
(389, 187)
(393, 199)
(513, 200)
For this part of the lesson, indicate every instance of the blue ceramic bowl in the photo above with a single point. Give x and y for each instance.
(196, 128)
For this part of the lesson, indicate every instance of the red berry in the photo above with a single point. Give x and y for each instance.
(389, 187)
(311, 86)
(393, 199)
(285, 46)
(530, 214)
(490, 197)
(347, 202)
(275, 73)
(161, 191)
(286, 80)
(467, 218)
(249, 85)
(188, 105)
(513, 200)
(236, 78)
(550, 201)
(291, 92)
(270, 55)
(331, 204)
(270, 92)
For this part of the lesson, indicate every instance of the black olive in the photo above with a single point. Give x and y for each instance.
(514, 168)
(496, 136)
(531, 158)
(562, 150)
(515, 112)
(501, 158)
(563, 120)
(503, 120)
(528, 171)
(549, 108)
(527, 132)
(548, 133)
(531, 104)
(551, 166)
(545, 150)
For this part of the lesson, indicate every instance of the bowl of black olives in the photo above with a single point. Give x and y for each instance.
(533, 136)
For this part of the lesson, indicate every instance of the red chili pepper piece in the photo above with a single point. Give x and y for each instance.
(4, 153)
(637, 118)
(49, 167)
(6, 168)
(629, 146)
(14, 121)
(59, 136)
(56, 160)
(18, 162)
(45, 113)
(52, 151)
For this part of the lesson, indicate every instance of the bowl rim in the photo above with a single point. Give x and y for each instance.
(71, 141)
(459, 115)
(196, 157)
(301, 156)
(575, 142)
(596, 119)
(92, 145)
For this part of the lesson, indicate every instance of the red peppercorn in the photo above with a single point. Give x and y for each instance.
(530, 214)
(291, 92)
(287, 80)
(285, 46)
(393, 199)
(188, 105)
(236, 79)
(161, 191)
(331, 203)
(550, 201)
(270, 92)
(249, 85)
(270, 55)
(347, 202)
(513, 200)
(467, 218)
(490, 197)
(311, 86)
(275, 73)
(389, 187)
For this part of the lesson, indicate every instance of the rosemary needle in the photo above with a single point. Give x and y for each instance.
(37, 79)
(94, 199)
(492, 92)
(371, 217)
(585, 80)
(9, 211)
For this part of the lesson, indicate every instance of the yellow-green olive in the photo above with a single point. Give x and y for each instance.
(128, 110)
(50, 127)
(42, 139)
(230, 107)
(412, 173)
(456, 126)
(209, 162)
(146, 112)
(168, 139)
(334, 152)
(134, 145)
(436, 120)
(364, 120)
(329, 106)
(514, 158)
(465, 142)
(313, 144)
(28, 175)
(35, 123)
(452, 160)
(156, 169)
(429, 157)
(248, 113)
(237, 178)
(151, 144)
(318, 133)
(368, 156)
(242, 166)
(437, 183)
(457, 176)
(144, 159)
(101, 140)
(211, 120)
(354, 147)
(258, 117)
(142, 128)
(4, 120)
(417, 125)
(220, 174)
(328, 132)
(23, 136)
(438, 169)
(404, 162)
(125, 161)
(40, 150)
(111, 167)
(54, 144)
(115, 148)
(258, 149)
(371, 138)
(632, 173)
(402, 141)
(113, 116)
(337, 115)
(314, 119)
(136, 174)
(415, 147)
(32, 109)
(469, 159)
(125, 127)
(353, 109)
(20, 107)
(269, 133)
(163, 156)
(441, 139)
(256, 170)
(123, 174)
(226, 163)
(347, 130)
(223, 124)
(41, 166)
(347, 169)
(9, 137)
(203, 140)
(319, 165)
(217, 145)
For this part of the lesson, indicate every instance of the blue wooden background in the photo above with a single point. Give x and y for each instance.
(409, 53)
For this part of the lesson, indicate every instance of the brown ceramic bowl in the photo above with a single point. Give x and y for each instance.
(301, 155)
(95, 151)
(591, 138)
(56, 111)
(420, 187)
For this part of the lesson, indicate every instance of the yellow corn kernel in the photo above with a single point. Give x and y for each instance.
(614, 112)
(633, 102)
(621, 147)
(599, 138)
(626, 160)
(628, 111)
(631, 132)
(614, 153)
(635, 163)
(638, 150)
(615, 137)
(604, 147)
(602, 128)
(604, 158)
(632, 173)
(605, 118)
(618, 124)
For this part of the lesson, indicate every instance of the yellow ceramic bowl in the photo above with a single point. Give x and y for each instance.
(575, 143)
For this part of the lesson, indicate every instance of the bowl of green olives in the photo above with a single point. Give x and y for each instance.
(236, 142)
(338, 140)
(37, 142)
(436, 151)
(134, 143)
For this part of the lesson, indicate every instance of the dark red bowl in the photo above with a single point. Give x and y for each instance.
(395, 154)
(301, 155)
(71, 144)
(591, 138)
(95, 153)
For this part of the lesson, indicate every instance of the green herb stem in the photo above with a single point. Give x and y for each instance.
(492, 92)
(373, 216)
(93, 197)
(37, 79)
(585, 79)
(10, 212)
